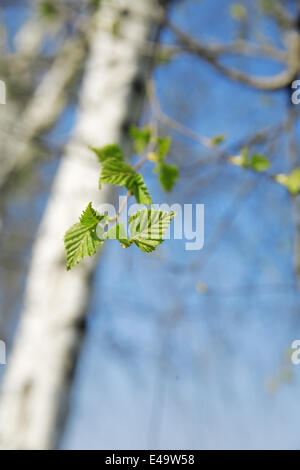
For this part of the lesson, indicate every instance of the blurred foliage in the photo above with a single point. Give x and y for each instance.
(255, 162)
(290, 181)
(238, 11)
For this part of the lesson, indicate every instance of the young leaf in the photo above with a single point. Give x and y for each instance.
(147, 228)
(267, 6)
(238, 160)
(117, 232)
(95, 3)
(218, 139)
(79, 243)
(256, 162)
(238, 12)
(117, 173)
(140, 137)
(140, 191)
(121, 174)
(89, 217)
(107, 152)
(80, 240)
(152, 157)
(48, 10)
(291, 181)
(168, 175)
(163, 147)
(259, 162)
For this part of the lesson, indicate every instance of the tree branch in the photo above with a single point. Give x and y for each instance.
(211, 54)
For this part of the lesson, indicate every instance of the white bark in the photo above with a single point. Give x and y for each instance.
(37, 384)
(29, 40)
(47, 103)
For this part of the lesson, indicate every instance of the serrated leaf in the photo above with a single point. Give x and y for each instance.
(117, 173)
(291, 181)
(147, 227)
(140, 191)
(89, 217)
(81, 240)
(117, 232)
(140, 137)
(168, 175)
(108, 152)
(121, 174)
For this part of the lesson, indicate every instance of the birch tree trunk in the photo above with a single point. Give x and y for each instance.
(36, 388)
(41, 113)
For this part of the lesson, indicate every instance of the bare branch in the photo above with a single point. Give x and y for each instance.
(211, 55)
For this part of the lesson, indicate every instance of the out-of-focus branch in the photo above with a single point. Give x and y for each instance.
(260, 136)
(172, 123)
(293, 161)
(43, 109)
(239, 47)
(280, 14)
(211, 54)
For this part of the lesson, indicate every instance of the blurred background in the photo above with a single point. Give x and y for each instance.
(183, 349)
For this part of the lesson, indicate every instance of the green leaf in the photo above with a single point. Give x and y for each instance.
(267, 6)
(140, 137)
(239, 160)
(81, 240)
(116, 28)
(168, 175)
(95, 3)
(108, 152)
(238, 12)
(152, 157)
(147, 227)
(79, 243)
(140, 191)
(121, 174)
(117, 173)
(218, 139)
(163, 147)
(291, 181)
(89, 217)
(48, 9)
(259, 162)
(117, 232)
(256, 162)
